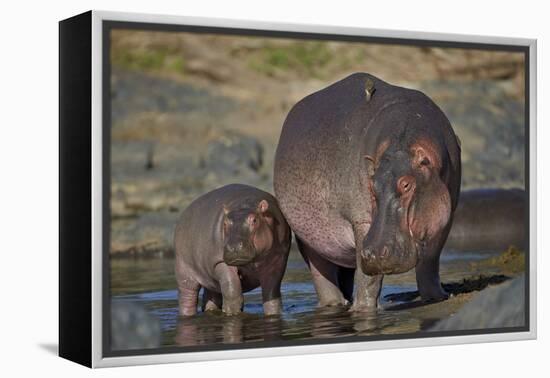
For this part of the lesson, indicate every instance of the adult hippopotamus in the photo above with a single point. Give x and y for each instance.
(367, 175)
(229, 241)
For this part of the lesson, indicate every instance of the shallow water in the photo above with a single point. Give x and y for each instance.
(151, 283)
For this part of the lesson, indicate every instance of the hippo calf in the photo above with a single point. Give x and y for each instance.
(229, 241)
(367, 175)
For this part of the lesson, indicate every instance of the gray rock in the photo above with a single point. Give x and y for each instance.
(132, 327)
(233, 154)
(490, 124)
(135, 92)
(495, 307)
(151, 232)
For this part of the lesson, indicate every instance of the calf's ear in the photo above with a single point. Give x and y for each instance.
(263, 206)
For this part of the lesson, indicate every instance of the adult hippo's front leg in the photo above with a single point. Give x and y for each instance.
(367, 287)
(367, 291)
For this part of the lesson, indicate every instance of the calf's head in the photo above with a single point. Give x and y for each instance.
(412, 207)
(247, 232)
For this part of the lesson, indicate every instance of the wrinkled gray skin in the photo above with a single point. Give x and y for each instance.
(367, 175)
(229, 241)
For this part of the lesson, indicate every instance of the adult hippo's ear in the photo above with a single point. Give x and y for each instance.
(263, 206)
(426, 157)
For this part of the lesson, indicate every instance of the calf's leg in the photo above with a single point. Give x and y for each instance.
(231, 289)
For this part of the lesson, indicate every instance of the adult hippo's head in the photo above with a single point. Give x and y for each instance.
(412, 203)
(247, 232)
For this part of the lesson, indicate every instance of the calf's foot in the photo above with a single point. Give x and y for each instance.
(230, 285)
(188, 292)
(273, 307)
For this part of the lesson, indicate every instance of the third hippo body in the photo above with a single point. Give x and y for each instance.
(229, 241)
(356, 157)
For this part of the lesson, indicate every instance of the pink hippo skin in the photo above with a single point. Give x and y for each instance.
(367, 175)
(229, 241)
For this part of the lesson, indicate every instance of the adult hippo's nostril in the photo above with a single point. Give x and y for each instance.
(370, 254)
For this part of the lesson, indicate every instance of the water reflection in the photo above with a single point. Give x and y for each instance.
(321, 323)
(401, 312)
(212, 328)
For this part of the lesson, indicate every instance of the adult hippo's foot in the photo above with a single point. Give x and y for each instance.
(325, 277)
(427, 281)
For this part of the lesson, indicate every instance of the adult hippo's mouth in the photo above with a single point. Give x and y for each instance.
(389, 259)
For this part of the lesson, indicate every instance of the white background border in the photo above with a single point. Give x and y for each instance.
(30, 186)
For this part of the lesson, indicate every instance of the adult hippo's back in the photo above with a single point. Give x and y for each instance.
(368, 174)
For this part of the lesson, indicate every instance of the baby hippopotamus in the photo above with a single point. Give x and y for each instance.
(368, 176)
(229, 241)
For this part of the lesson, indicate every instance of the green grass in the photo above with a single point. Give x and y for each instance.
(150, 60)
(306, 58)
